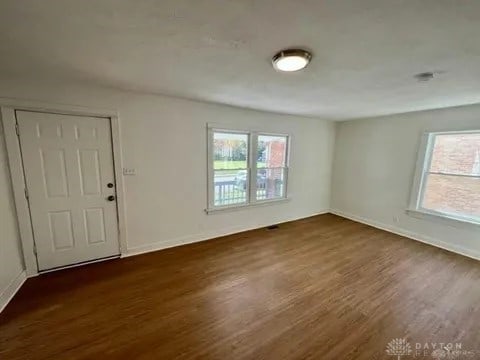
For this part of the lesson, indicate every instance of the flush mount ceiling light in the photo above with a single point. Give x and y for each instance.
(291, 60)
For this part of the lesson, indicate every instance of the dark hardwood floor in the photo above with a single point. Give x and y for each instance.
(319, 288)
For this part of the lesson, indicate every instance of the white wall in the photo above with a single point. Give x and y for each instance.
(165, 140)
(11, 258)
(374, 166)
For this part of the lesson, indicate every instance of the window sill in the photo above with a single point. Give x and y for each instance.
(240, 207)
(443, 219)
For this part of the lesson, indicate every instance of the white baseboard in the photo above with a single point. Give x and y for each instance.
(205, 236)
(409, 234)
(9, 292)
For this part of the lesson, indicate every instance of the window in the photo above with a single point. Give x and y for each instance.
(246, 168)
(449, 183)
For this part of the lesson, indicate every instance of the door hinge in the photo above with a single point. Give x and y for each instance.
(35, 249)
(17, 130)
(26, 194)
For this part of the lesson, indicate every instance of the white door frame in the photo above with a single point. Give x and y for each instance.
(7, 110)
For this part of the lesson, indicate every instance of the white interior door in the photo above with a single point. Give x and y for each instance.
(70, 180)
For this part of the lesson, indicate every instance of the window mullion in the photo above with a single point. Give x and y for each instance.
(452, 174)
(252, 158)
(210, 169)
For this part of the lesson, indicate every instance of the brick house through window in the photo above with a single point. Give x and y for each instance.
(451, 182)
(273, 170)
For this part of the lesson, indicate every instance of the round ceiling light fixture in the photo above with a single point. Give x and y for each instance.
(290, 60)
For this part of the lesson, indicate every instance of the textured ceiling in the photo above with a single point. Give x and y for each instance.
(365, 51)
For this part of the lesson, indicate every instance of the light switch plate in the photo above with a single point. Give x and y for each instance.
(129, 171)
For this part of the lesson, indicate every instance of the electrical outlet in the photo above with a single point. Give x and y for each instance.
(129, 171)
(396, 219)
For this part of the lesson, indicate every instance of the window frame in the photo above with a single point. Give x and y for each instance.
(251, 198)
(424, 159)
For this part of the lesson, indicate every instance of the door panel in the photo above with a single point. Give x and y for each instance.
(54, 172)
(61, 230)
(89, 168)
(95, 225)
(68, 163)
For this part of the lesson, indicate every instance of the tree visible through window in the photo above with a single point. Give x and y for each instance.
(230, 159)
(451, 180)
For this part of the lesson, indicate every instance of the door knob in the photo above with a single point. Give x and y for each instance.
(111, 198)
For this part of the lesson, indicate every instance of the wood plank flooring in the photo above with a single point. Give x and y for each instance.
(319, 288)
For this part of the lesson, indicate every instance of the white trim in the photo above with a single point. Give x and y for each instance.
(119, 182)
(9, 292)
(210, 167)
(7, 109)
(156, 246)
(80, 264)
(411, 235)
(18, 184)
(252, 165)
(449, 132)
(420, 167)
(41, 106)
(442, 218)
(453, 174)
(244, 206)
(247, 129)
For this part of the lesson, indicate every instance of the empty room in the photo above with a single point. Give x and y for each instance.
(248, 179)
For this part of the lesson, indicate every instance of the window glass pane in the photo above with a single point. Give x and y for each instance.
(456, 154)
(230, 188)
(230, 151)
(271, 151)
(453, 195)
(270, 183)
